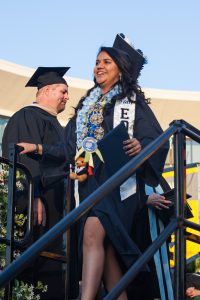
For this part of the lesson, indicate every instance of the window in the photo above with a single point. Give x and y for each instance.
(3, 122)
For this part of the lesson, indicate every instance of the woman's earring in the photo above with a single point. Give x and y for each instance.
(120, 76)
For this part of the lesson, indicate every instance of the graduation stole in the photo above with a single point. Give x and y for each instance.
(124, 111)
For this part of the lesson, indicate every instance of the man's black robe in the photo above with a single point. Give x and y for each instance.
(35, 125)
(115, 215)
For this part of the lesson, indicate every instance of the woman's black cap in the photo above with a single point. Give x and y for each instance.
(135, 55)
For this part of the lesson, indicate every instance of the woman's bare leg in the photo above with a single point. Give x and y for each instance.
(112, 271)
(93, 258)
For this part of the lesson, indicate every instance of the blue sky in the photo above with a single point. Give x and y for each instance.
(58, 33)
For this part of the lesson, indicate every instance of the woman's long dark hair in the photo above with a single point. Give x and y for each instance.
(128, 83)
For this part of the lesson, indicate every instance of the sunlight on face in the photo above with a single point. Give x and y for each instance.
(106, 72)
(59, 97)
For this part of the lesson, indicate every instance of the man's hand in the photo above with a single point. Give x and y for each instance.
(39, 213)
(30, 148)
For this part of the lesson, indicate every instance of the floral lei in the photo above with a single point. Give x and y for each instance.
(88, 105)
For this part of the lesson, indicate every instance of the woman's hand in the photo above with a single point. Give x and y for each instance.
(30, 148)
(158, 201)
(132, 147)
(73, 175)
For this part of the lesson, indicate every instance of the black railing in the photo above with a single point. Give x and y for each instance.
(177, 128)
(18, 265)
(142, 260)
(27, 236)
(12, 244)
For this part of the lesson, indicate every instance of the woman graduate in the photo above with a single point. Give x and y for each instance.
(106, 249)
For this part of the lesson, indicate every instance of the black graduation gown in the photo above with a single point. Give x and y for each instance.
(115, 215)
(34, 125)
(141, 227)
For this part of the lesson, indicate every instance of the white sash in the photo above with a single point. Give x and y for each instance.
(125, 111)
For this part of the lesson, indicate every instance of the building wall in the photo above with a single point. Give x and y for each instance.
(167, 105)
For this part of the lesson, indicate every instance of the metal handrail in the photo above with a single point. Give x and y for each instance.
(120, 176)
(192, 225)
(179, 128)
(179, 286)
(142, 260)
(22, 242)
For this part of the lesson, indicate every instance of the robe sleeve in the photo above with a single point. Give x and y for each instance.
(27, 125)
(147, 129)
(55, 152)
(70, 139)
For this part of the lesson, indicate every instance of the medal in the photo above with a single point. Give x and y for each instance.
(96, 118)
(89, 144)
(99, 133)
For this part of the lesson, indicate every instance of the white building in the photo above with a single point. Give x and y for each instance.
(168, 105)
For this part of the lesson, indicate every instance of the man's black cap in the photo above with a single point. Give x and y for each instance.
(47, 75)
(135, 55)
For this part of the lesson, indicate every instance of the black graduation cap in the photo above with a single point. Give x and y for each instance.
(136, 55)
(47, 75)
(111, 148)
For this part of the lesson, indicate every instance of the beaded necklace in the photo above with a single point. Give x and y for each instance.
(94, 120)
(90, 116)
(89, 122)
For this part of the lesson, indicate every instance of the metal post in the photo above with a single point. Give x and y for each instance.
(68, 239)
(180, 191)
(10, 214)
